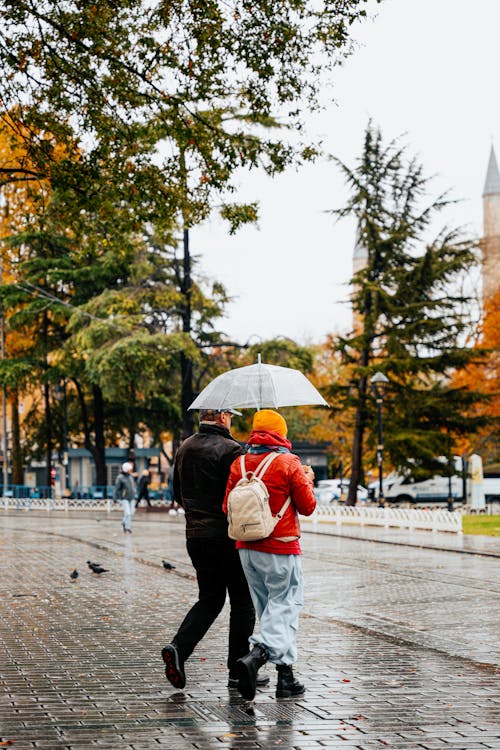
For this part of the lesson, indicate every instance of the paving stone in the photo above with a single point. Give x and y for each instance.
(397, 646)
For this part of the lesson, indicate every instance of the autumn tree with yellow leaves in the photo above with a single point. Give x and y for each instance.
(23, 191)
(484, 376)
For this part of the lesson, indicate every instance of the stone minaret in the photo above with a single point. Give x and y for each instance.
(359, 261)
(490, 244)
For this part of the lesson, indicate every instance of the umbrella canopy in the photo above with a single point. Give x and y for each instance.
(258, 386)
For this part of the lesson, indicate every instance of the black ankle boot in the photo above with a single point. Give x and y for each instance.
(247, 668)
(287, 686)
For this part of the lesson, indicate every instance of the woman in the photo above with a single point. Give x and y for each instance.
(272, 566)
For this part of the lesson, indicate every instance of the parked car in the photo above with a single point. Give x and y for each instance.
(329, 490)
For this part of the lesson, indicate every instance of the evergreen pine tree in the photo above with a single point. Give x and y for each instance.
(412, 313)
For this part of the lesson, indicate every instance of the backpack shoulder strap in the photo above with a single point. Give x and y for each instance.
(264, 465)
(283, 509)
(243, 467)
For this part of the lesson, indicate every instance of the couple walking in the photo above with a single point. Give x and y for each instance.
(263, 576)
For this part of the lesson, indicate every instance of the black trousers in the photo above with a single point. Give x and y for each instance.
(144, 495)
(218, 571)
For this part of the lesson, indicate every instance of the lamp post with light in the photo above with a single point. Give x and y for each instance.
(378, 383)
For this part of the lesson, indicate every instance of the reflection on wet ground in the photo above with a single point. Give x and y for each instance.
(396, 646)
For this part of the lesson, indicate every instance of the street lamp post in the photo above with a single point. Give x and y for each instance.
(378, 383)
(449, 502)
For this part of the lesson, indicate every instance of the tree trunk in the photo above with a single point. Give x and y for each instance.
(99, 453)
(17, 454)
(357, 444)
(187, 395)
(360, 419)
(48, 410)
(96, 448)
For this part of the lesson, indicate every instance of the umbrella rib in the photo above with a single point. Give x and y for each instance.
(275, 394)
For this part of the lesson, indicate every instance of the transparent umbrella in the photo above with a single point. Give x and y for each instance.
(258, 386)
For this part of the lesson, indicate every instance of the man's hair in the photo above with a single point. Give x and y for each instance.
(210, 415)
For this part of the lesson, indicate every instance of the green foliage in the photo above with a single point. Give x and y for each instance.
(137, 365)
(284, 352)
(135, 120)
(14, 372)
(113, 95)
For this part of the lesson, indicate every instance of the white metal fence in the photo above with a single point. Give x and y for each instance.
(323, 517)
(67, 503)
(431, 520)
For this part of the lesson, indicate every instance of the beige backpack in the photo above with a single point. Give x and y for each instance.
(248, 513)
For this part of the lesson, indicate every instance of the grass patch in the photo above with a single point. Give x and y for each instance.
(481, 524)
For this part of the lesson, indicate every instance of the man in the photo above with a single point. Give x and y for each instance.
(273, 565)
(125, 491)
(201, 471)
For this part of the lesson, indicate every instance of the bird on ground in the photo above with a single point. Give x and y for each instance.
(96, 568)
(74, 574)
(167, 565)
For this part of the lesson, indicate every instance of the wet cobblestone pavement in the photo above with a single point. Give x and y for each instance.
(397, 645)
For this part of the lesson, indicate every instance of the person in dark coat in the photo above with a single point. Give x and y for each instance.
(201, 471)
(142, 488)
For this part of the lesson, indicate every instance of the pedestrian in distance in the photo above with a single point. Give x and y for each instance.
(273, 565)
(143, 489)
(201, 471)
(125, 492)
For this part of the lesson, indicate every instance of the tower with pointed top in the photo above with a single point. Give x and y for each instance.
(490, 244)
(359, 261)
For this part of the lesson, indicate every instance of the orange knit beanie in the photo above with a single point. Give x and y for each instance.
(267, 419)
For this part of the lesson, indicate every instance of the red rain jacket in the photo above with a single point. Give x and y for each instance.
(284, 478)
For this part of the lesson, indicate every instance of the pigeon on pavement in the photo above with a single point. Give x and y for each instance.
(74, 574)
(96, 568)
(167, 565)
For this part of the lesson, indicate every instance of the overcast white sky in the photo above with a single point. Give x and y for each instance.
(427, 68)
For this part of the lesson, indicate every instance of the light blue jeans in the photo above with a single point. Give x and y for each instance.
(128, 511)
(275, 583)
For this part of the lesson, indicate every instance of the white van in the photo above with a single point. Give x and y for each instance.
(400, 488)
(492, 488)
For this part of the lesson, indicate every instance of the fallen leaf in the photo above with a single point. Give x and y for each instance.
(345, 680)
